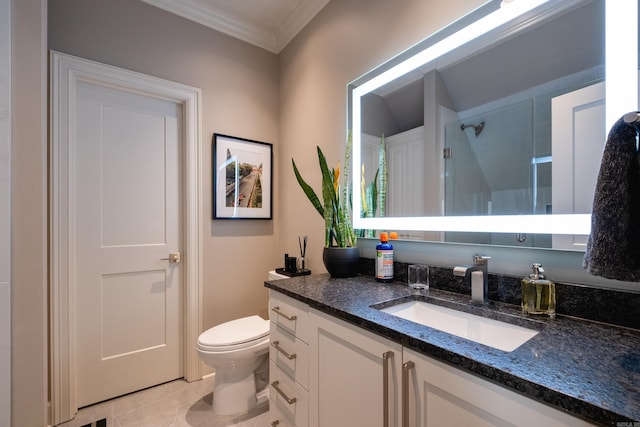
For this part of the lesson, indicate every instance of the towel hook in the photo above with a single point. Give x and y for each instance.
(632, 119)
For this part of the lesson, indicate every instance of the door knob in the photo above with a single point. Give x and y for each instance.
(173, 257)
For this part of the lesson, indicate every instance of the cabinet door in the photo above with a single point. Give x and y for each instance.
(440, 395)
(346, 375)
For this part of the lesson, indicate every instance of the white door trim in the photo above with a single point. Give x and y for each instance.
(66, 72)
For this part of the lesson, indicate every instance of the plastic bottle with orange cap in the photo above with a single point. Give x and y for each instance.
(384, 258)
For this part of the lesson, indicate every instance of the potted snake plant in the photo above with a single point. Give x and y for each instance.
(340, 255)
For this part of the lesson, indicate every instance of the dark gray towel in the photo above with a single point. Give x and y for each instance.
(613, 248)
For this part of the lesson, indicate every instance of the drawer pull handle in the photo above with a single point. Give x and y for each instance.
(289, 400)
(276, 345)
(406, 367)
(275, 423)
(277, 311)
(385, 387)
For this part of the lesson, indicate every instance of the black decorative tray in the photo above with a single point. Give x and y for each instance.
(304, 272)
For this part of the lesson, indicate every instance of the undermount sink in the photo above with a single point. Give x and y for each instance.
(494, 333)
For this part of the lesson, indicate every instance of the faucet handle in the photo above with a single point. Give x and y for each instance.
(480, 259)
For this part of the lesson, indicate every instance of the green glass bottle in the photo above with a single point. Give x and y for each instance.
(538, 293)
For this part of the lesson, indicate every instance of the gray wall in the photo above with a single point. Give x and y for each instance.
(28, 256)
(5, 212)
(239, 85)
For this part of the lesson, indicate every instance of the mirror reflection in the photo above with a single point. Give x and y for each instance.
(512, 123)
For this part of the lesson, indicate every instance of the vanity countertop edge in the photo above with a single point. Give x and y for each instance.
(588, 369)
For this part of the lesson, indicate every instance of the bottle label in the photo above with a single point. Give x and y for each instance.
(384, 264)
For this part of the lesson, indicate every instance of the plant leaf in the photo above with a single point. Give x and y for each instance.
(346, 189)
(382, 168)
(330, 201)
(311, 195)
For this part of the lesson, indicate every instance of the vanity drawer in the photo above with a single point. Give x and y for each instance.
(290, 354)
(289, 314)
(288, 397)
(277, 418)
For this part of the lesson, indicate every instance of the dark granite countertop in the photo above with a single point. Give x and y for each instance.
(590, 369)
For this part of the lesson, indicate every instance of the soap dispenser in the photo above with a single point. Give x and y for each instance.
(538, 293)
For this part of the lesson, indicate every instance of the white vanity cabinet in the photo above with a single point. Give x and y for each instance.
(288, 362)
(441, 395)
(349, 368)
(345, 376)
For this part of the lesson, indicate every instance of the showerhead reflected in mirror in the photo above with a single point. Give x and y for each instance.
(476, 128)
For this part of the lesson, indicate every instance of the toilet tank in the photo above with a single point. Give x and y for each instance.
(273, 275)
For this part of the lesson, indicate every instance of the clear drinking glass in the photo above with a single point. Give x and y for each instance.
(418, 276)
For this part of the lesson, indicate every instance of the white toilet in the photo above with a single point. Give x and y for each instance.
(238, 350)
(235, 350)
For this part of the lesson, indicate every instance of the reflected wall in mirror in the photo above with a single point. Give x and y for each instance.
(508, 125)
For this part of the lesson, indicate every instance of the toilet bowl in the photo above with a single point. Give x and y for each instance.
(238, 350)
(235, 350)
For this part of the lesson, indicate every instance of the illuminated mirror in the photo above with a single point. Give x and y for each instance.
(480, 118)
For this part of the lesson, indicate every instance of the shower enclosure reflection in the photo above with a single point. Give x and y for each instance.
(476, 164)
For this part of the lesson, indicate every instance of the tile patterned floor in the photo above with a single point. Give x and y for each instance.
(174, 404)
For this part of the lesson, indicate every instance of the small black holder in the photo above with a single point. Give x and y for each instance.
(291, 267)
(296, 273)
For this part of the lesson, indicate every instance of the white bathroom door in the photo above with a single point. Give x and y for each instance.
(125, 180)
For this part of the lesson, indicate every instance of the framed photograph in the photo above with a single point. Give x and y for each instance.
(242, 178)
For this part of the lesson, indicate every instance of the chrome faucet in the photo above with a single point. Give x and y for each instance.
(479, 278)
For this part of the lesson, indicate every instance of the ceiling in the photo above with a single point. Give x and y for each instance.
(269, 24)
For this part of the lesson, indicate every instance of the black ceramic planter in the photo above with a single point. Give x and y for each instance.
(341, 262)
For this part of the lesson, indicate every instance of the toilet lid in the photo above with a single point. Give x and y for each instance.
(236, 331)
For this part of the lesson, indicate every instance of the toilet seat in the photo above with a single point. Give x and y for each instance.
(236, 334)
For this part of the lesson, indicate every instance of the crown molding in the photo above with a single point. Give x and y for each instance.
(240, 29)
(297, 21)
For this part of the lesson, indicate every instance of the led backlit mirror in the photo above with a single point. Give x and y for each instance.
(480, 123)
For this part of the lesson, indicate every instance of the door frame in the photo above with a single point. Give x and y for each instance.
(66, 72)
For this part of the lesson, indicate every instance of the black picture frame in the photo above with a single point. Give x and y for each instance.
(242, 178)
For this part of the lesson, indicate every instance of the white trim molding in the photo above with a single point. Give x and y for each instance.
(66, 73)
(248, 26)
